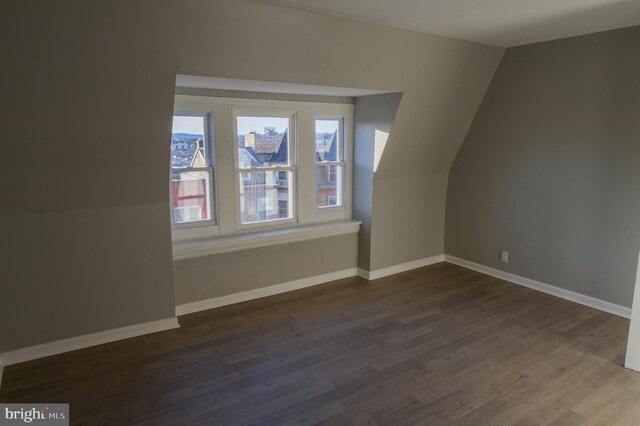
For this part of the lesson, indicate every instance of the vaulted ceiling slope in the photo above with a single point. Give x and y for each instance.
(502, 23)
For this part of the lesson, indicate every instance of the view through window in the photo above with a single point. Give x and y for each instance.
(265, 168)
(329, 163)
(190, 170)
(240, 166)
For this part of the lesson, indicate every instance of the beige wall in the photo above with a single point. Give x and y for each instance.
(75, 272)
(87, 94)
(408, 221)
(87, 91)
(550, 169)
(442, 81)
(220, 275)
(373, 114)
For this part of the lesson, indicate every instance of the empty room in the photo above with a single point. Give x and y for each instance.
(339, 212)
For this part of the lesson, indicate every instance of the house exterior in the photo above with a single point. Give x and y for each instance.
(264, 195)
(189, 187)
(326, 175)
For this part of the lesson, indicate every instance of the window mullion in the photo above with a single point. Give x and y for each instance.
(264, 169)
(191, 169)
(330, 163)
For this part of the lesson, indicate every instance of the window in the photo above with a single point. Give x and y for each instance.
(191, 170)
(329, 162)
(265, 168)
(276, 164)
(282, 178)
(333, 174)
(283, 207)
(187, 213)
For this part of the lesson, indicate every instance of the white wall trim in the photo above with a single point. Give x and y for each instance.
(592, 302)
(189, 249)
(363, 273)
(85, 341)
(403, 267)
(244, 296)
(204, 82)
(216, 302)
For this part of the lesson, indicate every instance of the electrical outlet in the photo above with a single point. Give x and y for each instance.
(505, 256)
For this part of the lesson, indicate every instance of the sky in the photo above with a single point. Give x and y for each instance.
(194, 125)
(247, 124)
(184, 124)
(326, 126)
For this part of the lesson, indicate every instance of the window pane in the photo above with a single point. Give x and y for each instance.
(328, 185)
(265, 196)
(327, 140)
(188, 142)
(191, 196)
(263, 141)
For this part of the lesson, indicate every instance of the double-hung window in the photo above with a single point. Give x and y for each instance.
(329, 157)
(276, 164)
(265, 168)
(191, 170)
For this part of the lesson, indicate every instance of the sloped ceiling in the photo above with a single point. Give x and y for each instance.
(503, 23)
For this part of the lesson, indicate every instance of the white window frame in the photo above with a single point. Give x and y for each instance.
(200, 228)
(342, 153)
(290, 167)
(226, 176)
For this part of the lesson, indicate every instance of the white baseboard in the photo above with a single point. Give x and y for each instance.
(363, 273)
(85, 341)
(403, 267)
(216, 302)
(592, 302)
(80, 342)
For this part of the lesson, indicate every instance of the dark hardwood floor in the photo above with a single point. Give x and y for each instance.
(438, 345)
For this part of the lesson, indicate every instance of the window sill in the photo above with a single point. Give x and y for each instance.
(189, 249)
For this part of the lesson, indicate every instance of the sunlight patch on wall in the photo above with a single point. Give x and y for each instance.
(380, 141)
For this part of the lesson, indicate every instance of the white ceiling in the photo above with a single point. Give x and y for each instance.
(502, 23)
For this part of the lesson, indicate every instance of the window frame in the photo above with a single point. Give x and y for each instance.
(292, 144)
(226, 181)
(341, 185)
(200, 228)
